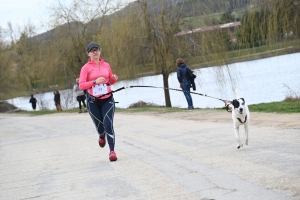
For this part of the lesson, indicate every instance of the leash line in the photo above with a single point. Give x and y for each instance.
(175, 90)
(227, 103)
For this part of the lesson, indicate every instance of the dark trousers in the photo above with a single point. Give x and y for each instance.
(186, 88)
(58, 106)
(33, 106)
(80, 99)
(102, 113)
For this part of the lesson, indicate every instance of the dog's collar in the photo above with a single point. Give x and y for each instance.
(241, 120)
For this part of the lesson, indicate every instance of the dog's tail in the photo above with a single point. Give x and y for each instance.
(237, 95)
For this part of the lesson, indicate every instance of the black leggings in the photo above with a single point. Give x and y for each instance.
(102, 113)
(81, 99)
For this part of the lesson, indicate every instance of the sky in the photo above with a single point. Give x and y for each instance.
(22, 12)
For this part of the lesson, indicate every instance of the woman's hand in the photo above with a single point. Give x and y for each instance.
(100, 80)
(115, 77)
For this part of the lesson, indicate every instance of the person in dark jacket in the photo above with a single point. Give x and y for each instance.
(80, 96)
(33, 101)
(57, 100)
(185, 83)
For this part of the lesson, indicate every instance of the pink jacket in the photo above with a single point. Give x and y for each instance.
(90, 71)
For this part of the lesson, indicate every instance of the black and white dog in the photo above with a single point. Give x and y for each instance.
(240, 116)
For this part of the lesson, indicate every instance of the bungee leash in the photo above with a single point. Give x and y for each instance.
(226, 102)
(175, 90)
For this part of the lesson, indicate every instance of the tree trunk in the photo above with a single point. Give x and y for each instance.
(167, 92)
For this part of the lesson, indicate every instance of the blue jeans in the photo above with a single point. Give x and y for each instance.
(102, 113)
(186, 87)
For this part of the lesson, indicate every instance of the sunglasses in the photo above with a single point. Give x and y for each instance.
(95, 50)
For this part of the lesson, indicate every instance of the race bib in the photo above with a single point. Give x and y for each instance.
(99, 89)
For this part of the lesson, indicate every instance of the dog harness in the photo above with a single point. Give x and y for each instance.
(241, 120)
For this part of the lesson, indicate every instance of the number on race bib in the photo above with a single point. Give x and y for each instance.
(99, 89)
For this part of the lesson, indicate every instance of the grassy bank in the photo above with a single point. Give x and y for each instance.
(286, 106)
(289, 106)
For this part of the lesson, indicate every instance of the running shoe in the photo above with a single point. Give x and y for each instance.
(112, 156)
(102, 141)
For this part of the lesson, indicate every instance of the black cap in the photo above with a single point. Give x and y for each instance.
(91, 45)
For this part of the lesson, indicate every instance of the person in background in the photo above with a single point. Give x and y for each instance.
(97, 77)
(33, 102)
(184, 82)
(57, 100)
(80, 96)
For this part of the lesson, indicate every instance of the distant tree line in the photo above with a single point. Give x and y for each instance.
(272, 22)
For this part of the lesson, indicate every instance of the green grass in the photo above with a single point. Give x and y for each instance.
(205, 20)
(150, 109)
(47, 112)
(292, 106)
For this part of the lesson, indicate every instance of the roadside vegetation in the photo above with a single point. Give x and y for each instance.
(286, 106)
(289, 105)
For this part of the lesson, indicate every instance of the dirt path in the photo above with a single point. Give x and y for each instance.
(257, 118)
(182, 155)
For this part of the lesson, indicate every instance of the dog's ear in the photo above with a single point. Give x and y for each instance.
(235, 103)
(243, 100)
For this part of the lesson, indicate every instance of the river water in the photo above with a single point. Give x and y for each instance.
(264, 80)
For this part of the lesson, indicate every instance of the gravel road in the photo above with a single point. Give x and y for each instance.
(181, 155)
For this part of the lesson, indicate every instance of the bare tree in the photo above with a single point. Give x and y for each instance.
(68, 99)
(42, 103)
(146, 37)
(26, 53)
(77, 25)
(142, 40)
(6, 68)
(160, 27)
